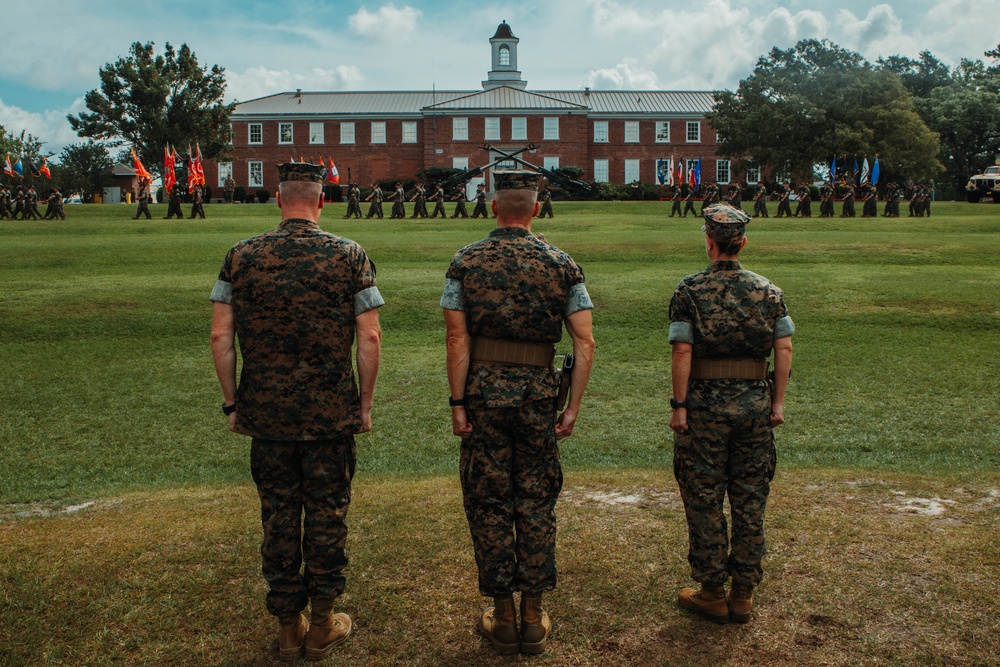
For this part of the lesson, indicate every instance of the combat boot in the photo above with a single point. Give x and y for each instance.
(326, 630)
(498, 624)
(291, 633)
(709, 601)
(535, 624)
(740, 602)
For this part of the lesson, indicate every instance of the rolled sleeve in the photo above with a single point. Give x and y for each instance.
(681, 332)
(784, 327)
(367, 299)
(222, 292)
(579, 299)
(451, 297)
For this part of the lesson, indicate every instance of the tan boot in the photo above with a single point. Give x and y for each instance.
(535, 624)
(709, 602)
(291, 632)
(740, 602)
(498, 624)
(326, 631)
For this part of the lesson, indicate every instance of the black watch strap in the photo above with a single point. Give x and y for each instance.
(228, 409)
(675, 404)
(454, 402)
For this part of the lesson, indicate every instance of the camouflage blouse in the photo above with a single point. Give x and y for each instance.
(516, 286)
(727, 312)
(295, 292)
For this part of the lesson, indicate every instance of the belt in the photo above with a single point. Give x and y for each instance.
(516, 352)
(729, 369)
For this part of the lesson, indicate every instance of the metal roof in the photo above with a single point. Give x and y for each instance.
(418, 102)
(503, 32)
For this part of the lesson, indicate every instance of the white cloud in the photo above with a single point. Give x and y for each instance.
(51, 127)
(260, 81)
(386, 22)
(626, 75)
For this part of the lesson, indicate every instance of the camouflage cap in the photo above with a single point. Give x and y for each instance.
(516, 179)
(723, 221)
(301, 171)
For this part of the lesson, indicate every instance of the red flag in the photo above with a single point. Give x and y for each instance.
(199, 165)
(169, 176)
(140, 171)
(44, 169)
(333, 174)
(8, 168)
(679, 172)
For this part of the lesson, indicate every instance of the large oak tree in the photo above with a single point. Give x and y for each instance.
(149, 100)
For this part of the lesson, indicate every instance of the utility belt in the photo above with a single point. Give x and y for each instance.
(514, 352)
(729, 369)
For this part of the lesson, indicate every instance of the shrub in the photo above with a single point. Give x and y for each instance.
(239, 193)
(263, 195)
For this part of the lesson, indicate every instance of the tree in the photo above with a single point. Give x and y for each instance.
(816, 100)
(86, 168)
(149, 100)
(919, 76)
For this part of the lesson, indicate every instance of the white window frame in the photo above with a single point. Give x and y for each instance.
(503, 54)
(631, 170)
(491, 128)
(259, 127)
(550, 162)
(663, 131)
(225, 169)
(409, 132)
(753, 174)
(601, 168)
(255, 174)
(550, 128)
(378, 132)
(600, 131)
(631, 133)
(460, 163)
(460, 128)
(230, 138)
(692, 132)
(723, 166)
(281, 133)
(519, 128)
(317, 133)
(347, 132)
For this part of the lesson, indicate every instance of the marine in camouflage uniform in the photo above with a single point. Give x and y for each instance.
(420, 199)
(174, 204)
(353, 203)
(505, 301)
(375, 210)
(459, 199)
(30, 204)
(439, 202)
(142, 199)
(398, 207)
(295, 297)
(724, 323)
(847, 210)
(197, 204)
(480, 209)
(675, 197)
(760, 200)
(545, 199)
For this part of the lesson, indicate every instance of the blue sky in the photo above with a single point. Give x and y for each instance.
(268, 47)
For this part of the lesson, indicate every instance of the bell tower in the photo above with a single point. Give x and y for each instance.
(504, 50)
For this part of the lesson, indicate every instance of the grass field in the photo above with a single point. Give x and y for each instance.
(882, 524)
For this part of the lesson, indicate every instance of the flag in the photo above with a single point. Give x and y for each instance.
(169, 176)
(833, 170)
(875, 171)
(854, 174)
(8, 168)
(680, 171)
(19, 168)
(864, 171)
(196, 174)
(670, 174)
(140, 171)
(32, 169)
(44, 169)
(333, 174)
(696, 174)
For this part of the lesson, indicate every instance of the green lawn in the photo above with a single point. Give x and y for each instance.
(107, 383)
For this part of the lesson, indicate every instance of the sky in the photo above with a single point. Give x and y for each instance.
(274, 46)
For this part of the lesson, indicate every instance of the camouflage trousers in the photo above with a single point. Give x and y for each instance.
(296, 477)
(728, 449)
(511, 478)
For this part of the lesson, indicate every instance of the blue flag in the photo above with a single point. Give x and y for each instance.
(854, 178)
(875, 171)
(19, 168)
(833, 170)
(697, 173)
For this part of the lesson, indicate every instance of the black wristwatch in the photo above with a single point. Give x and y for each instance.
(456, 402)
(228, 409)
(675, 404)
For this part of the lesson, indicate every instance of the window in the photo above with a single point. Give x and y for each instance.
(460, 129)
(722, 171)
(693, 132)
(753, 174)
(600, 131)
(284, 133)
(601, 171)
(256, 135)
(550, 129)
(347, 133)
(663, 131)
(256, 174)
(550, 162)
(378, 132)
(229, 140)
(492, 128)
(504, 55)
(225, 170)
(519, 129)
(409, 132)
(631, 134)
(460, 163)
(631, 171)
(316, 133)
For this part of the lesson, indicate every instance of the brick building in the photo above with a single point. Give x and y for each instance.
(615, 136)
